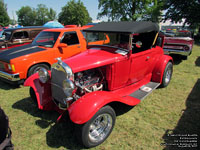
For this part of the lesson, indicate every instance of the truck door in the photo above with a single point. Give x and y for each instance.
(73, 45)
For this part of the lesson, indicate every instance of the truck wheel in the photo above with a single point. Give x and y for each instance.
(36, 68)
(97, 129)
(167, 74)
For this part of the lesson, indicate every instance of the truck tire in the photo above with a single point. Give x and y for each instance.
(36, 68)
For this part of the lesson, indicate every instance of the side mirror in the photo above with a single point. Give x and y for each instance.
(62, 45)
(138, 44)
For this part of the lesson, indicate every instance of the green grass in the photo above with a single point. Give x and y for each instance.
(143, 127)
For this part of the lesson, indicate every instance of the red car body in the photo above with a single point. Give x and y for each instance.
(104, 74)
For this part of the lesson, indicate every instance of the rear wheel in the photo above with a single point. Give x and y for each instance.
(167, 74)
(97, 129)
(36, 68)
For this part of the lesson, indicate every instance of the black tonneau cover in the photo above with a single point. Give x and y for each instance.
(125, 27)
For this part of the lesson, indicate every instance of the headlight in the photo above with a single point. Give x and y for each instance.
(11, 67)
(68, 87)
(186, 48)
(43, 75)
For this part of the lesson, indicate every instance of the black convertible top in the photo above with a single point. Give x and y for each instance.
(125, 27)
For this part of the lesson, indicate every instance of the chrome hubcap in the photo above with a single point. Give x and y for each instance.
(168, 75)
(100, 127)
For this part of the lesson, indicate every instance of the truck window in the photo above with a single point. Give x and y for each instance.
(20, 35)
(70, 38)
(33, 33)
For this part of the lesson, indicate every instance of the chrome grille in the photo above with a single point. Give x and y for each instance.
(57, 78)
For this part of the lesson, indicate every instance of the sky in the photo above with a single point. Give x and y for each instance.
(15, 5)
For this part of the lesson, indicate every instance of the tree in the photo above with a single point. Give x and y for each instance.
(130, 10)
(42, 14)
(176, 10)
(74, 13)
(4, 18)
(51, 14)
(26, 16)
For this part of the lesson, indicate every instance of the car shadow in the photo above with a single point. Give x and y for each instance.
(6, 86)
(177, 59)
(197, 62)
(187, 130)
(60, 133)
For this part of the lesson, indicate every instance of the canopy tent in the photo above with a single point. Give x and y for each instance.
(53, 24)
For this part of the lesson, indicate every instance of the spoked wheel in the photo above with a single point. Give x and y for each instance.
(167, 74)
(97, 129)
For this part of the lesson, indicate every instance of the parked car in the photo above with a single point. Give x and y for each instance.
(18, 63)
(179, 43)
(14, 37)
(124, 70)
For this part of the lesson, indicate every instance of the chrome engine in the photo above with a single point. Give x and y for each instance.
(88, 81)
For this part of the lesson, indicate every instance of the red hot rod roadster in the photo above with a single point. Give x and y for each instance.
(125, 69)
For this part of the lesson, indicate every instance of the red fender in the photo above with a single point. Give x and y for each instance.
(42, 92)
(85, 108)
(160, 68)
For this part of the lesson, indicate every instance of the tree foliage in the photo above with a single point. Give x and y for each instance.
(74, 13)
(4, 18)
(28, 16)
(130, 9)
(176, 10)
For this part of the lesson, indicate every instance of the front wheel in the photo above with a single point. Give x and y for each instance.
(97, 129)
(167, 74)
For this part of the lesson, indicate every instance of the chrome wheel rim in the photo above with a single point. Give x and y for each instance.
(168, 75)
(37, 69)
(100, 128)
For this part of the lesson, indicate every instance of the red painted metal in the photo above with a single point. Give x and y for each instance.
(90, 103)
(42, 92)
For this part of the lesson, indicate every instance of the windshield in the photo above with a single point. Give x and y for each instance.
(118, 40)
(5, 35)
(46, 39)
(1, 33)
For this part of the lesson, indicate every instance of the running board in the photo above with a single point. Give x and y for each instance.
(144, 90)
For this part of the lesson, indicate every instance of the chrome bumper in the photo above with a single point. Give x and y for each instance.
(10, 77)
(179, 52)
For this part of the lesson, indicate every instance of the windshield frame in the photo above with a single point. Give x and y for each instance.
(106, 35)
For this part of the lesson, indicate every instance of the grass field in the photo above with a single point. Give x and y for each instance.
(175, 109)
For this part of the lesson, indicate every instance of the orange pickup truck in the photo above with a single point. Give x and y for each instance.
(18, 63)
